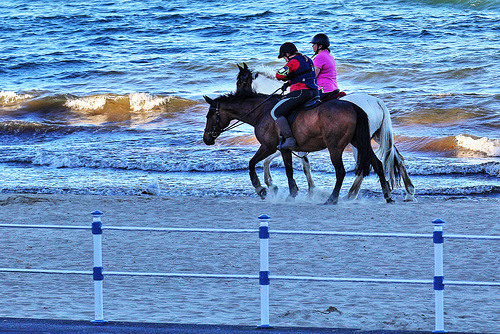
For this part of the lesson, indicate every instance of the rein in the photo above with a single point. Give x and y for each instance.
(216, 109)
(300, 157)
(238, 123)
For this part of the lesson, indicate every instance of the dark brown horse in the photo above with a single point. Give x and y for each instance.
(332, 125)
(380, 122)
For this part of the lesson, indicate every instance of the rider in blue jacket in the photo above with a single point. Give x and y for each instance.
(299, 74)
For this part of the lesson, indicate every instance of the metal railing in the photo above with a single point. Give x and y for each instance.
(264, 275)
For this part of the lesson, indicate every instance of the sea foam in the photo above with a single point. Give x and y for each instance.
(7, 97)
(86, 103)
(135, 101)
(146, 102)
(491, 147)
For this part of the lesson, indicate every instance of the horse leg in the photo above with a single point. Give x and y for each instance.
(410, 189)
(356, 185)
(292, 185)
(262, 153)
(306, 167)
(379, 169)
(267, 172)
(336, 158)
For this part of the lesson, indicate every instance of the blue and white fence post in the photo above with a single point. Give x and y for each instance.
(97, 272)
(264, 280)
(438, 239)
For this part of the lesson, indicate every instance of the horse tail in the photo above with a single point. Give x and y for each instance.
(366, 156)
(387, 151)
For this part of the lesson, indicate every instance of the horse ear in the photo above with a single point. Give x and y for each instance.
(239, 67)
(245, 65)
(209, 100)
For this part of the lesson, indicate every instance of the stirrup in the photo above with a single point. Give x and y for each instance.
(289, 143)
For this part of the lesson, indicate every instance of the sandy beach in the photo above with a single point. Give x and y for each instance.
(219, 301)
(102, 102)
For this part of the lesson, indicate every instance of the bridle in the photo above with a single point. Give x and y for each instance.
(213, 132)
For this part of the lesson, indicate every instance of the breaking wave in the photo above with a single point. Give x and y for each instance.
(62, 107)
(490, 147)
(453, 146)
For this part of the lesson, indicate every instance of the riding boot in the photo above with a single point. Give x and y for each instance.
(287, 132)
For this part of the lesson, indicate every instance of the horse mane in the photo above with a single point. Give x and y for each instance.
(238, 96)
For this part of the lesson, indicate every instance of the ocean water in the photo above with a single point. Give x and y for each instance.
(100, 97)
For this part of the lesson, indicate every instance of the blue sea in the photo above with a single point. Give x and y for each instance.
(105, 97)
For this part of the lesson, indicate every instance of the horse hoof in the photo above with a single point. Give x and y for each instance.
(331, 202)
(274, 190)
(262, 193)
(390, 200)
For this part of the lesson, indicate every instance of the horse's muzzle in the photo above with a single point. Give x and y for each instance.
(208, 139)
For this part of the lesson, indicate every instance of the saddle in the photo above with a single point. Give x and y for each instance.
(336, 94)
(314, 102)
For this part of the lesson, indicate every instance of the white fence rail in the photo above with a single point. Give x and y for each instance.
(264, 275)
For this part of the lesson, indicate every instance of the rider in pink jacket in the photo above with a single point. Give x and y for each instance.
(324, 65)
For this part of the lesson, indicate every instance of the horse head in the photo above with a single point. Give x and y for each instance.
(244, 79)
(213, 127)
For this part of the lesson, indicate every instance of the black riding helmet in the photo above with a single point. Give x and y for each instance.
(322, 40)
(287, 48)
